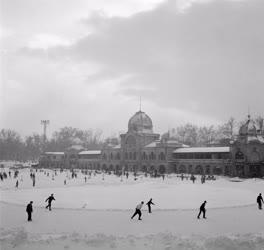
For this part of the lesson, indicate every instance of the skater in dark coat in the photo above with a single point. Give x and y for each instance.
(149, 203)
(202, 210)
(138, 210)
(29, 210)
(49, 200)
(260, 201)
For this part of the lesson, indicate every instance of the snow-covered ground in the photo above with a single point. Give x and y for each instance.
(96, 214)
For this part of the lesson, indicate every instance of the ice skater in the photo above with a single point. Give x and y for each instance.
(202, 210)
(138, 210)
(49, 200)
(17, 184)
(260, 201)
(29, 210)
(149, 203)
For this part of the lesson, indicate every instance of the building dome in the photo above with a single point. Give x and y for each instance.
(141, 123)
(248, 128)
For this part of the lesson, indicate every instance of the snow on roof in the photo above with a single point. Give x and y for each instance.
(152, 144)
(203, 150)
(54, 153)
(117, 146)
(257, 138)
(169, 142)
(90, 152)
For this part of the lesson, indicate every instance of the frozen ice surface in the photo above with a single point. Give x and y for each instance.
(96, 214)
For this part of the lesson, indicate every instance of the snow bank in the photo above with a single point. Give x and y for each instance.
(20, 239)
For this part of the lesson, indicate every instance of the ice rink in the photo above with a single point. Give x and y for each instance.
(96, 214)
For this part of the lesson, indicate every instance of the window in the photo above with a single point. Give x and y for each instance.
(152, 156)
(162, 156)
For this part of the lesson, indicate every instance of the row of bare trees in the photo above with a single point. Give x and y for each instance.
(14, 147)
(194, 135)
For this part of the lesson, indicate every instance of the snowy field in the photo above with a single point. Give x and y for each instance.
(96, 214)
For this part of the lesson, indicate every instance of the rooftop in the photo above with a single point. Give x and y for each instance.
(54, 153)
(203, 150)
(90, 152)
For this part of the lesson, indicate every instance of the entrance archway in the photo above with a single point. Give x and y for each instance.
(199, 170)
(162, 169)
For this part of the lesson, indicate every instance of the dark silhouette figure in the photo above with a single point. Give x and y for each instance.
(202, 210)
(149, 203)
(138, 210)
(17, 184)
(49, 200)
(260, 201)
(29, 210)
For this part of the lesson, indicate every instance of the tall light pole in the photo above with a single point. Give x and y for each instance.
(45, 123)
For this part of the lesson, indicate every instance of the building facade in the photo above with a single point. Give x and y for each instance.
(142, 150)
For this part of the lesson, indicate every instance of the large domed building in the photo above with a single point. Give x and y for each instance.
(141, 149)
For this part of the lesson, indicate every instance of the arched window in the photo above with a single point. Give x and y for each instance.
(239, 155)
(162, 156)
(111, 156)
(130, 155)
(118, 156)
(135, 156)
(126, 155)
(152, 156)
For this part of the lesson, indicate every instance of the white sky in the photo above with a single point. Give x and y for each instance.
(84, 63)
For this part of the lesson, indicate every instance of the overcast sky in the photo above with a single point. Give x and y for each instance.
(85, 63)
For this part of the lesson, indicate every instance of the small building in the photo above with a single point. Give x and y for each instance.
(247, 151)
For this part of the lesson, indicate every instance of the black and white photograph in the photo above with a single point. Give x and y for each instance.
(131, 124)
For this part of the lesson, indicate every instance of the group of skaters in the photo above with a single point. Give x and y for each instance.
(29, 208)
(202, 209)
(193, 178)
(4, 175)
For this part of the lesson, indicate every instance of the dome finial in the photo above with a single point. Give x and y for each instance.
(139, 103)
(249, 113)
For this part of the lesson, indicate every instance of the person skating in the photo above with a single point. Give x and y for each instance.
(260, 201)
(29, 210)
(50, 199)
(17, 184)
(202, 210)
(149, 203)
(138, 210)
